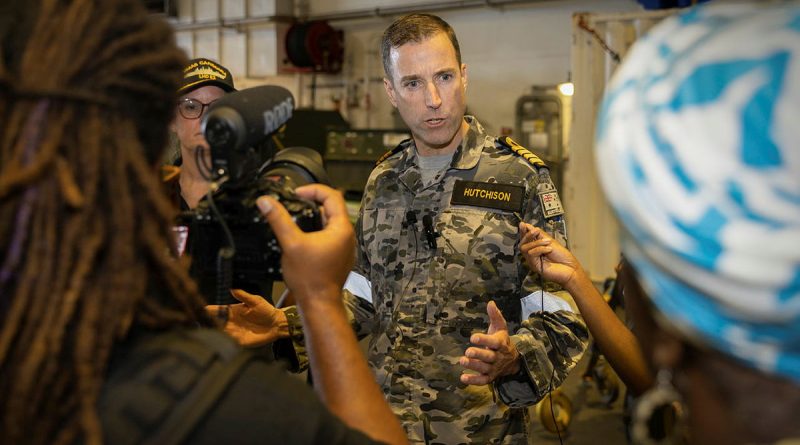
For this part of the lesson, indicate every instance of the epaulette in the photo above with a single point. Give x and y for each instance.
(400, 147)
(522, 151)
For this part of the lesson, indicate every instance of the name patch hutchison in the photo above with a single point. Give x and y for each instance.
(488, 194)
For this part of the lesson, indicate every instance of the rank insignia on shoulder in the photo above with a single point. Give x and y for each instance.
(488, 194)
(522, 151)
(400, 147)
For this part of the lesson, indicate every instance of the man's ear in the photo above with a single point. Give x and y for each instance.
(387, 85)
(464, 75)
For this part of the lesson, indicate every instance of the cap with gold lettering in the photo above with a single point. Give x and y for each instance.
(201, 72)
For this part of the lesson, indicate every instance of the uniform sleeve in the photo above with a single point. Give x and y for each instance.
(357, 298)
(552, 336)
(358, 288)
(297, 339)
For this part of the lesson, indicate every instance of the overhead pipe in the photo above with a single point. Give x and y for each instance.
(365, 13)
(425, 7)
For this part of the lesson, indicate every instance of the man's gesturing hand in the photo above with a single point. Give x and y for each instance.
(254, 321)
(493, 355)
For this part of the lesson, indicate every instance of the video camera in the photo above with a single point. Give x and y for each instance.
(230, 243)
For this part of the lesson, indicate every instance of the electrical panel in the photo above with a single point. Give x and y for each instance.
(350, 155)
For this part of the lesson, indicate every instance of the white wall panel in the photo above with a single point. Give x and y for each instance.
(234, 9)
(592, 227)
(206, 9)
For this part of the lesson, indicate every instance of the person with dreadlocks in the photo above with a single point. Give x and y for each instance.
(103, 335)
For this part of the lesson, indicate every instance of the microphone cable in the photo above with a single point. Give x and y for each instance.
(203, 167)
(410, 222)
(225, 254)
(552, 345)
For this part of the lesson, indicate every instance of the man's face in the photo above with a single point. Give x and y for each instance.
(427, 87)
(188, 130)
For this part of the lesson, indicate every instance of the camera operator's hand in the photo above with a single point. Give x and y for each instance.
(253, 322)
(315, 264)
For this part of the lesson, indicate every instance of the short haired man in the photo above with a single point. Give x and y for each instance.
(437, 259)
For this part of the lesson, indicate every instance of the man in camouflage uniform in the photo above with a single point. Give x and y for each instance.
(437, 241)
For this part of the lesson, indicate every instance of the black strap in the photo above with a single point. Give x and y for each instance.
(195, 405)
(166, 384)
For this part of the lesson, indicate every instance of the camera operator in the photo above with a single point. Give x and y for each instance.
(99, 336)
(204, 82)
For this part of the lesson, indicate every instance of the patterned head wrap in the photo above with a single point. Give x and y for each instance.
(699, 154)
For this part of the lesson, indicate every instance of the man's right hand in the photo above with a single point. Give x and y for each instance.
(253, 322)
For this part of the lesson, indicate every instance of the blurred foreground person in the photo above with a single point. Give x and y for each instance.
(103, 335)
(698, 155)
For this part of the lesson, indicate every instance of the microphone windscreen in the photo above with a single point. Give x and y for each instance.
(244, 118)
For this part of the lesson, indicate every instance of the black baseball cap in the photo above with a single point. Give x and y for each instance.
(201, 72)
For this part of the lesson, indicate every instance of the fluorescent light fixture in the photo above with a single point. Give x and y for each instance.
(566, 88)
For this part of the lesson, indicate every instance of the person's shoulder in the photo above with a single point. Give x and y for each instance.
(393, 153)
(507, 145)
(169, 372)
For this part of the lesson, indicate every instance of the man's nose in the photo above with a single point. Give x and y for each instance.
(432, 98)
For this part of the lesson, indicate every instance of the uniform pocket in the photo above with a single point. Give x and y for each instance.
(479, 263)
(383, 233)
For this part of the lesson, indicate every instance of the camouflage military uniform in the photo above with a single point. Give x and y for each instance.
(426, 302)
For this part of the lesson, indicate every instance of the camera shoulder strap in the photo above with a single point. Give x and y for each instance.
(168, 385)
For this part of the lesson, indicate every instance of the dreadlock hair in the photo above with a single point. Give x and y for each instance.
(87, 88)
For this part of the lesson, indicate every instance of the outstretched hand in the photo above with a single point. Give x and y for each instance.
(253, 322)
(493, 355)
(545, 255)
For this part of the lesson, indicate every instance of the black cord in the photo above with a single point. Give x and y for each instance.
(413, 229)
(224, 257)
(552, 345)
(228, 234)
(202, 167)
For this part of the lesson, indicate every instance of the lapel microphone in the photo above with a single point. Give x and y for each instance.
(429, 232)
(411, 218)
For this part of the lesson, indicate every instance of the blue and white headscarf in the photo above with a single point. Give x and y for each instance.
(699, 154)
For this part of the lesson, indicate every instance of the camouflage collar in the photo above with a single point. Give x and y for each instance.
(467, 154)
(469, 151)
